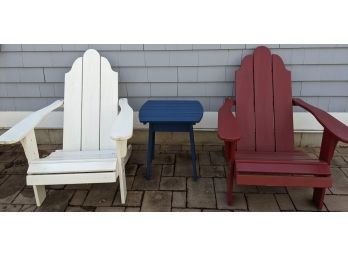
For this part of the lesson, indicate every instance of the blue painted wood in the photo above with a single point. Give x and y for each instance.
(170, 116)
(150, 150)
(171, 111)
(193, 154)
(171, 127)
(153, 145)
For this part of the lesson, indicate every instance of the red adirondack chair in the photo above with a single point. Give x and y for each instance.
(259, 141)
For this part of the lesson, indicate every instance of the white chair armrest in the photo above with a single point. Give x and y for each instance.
(22, 128)
(122, 128)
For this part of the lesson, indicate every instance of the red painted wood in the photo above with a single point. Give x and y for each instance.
(276, 180)
(264, 113)
(265, 153)
(282, 96)
(318, 197)
(282, 167)
(231, 159)
(244, 91)
(228, 129)
(288, 156)
(328, 145)
(332, 125)
(227, 149)
(230, 177)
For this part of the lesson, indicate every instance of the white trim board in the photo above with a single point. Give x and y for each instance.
(303, 122)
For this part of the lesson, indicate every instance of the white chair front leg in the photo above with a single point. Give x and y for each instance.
(32, 153)
(121, 169)
(40, 194)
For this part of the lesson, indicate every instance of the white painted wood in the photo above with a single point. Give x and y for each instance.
(127, 156)
(88, 155)
(122, 129)
(40, 194)
(122, 144)
(81, 160)
(72, 107)
(79, 178)
(31, 152)
(121, 173)
(90, 101)
(76, 162)
(70, 162)
(303, 122)
(109, 103)
(30, 146)
(77, 166)
(21, 129)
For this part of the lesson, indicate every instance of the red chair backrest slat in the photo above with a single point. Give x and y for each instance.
(264, 103)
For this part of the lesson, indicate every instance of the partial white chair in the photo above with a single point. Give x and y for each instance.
(95, 134)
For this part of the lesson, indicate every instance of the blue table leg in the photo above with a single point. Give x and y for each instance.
(153, 144)
(149, 153)
(193, 154)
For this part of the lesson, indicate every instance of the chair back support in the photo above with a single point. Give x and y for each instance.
(264, 103)
(90, 103)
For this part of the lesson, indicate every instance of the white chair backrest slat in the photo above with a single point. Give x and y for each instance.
(72, 107)
(90, 101)
(90, 109)
(108, 105)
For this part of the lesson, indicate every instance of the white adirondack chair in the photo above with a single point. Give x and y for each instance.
(94, 136)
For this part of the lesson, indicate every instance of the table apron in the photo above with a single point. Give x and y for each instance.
(171, 127)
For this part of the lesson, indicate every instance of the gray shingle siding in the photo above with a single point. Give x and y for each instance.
(32, 76)
(155, 47)
(8, 59)
(105, 47)
(74, 47)
(179, 47)
(187, 74)
(55, 74)
(184, 58)
(161, 89)
(157, 58)
(162, 74)
(133, 74)
(24, 75)
(138, 89)
(41, 47)
(49, 59)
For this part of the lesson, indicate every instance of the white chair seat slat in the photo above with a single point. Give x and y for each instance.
(74, 162)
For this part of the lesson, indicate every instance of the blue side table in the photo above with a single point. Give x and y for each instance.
(170, 116)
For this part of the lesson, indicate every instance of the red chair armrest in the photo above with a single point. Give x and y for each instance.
(228, 129)
(331, 124)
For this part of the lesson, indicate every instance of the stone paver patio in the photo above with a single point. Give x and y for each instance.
(171, 187)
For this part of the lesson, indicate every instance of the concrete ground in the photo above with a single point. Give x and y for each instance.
(171, 187)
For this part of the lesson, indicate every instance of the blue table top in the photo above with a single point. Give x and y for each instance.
(171, 111)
